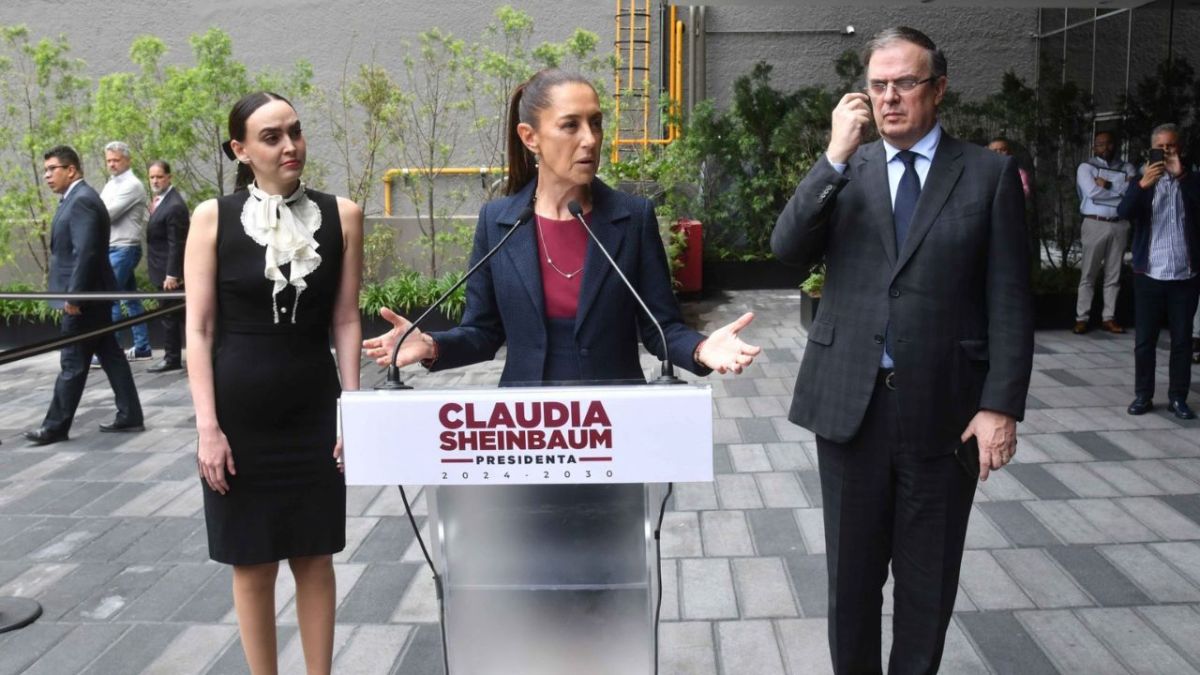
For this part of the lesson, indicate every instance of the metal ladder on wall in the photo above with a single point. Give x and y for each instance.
(635, 97)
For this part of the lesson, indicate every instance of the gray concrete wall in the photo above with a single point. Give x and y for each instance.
(980, 44)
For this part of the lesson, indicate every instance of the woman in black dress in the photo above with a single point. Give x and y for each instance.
(272, 272)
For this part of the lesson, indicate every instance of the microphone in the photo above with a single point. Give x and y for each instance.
(393, 375)
(667, 375)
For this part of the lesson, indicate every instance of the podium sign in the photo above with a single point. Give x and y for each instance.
(529, 435)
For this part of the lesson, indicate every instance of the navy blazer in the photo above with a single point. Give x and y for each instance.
(505, 299)
(1137, 206)
(166, 233)
(79, 245)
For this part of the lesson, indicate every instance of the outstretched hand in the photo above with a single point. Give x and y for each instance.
(417, 347)
(724, 351)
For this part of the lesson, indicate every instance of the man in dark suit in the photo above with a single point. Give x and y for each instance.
(79, 263)
(166, 233)
(918, 362)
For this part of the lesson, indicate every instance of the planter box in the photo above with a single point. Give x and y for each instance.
(808, 310)
(20, 333)
(735, 275)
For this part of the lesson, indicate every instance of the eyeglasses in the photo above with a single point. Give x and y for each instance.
(52, 167)
(903, 85)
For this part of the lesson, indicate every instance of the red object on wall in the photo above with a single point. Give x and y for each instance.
(690, 277)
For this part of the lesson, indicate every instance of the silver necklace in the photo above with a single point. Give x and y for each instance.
(546, 250)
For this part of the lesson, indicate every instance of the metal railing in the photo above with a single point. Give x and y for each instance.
(28, 351)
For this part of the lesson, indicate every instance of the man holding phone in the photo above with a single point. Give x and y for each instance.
(1164, 207)
(918, 363)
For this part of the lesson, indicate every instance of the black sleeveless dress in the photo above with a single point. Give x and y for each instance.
(276, 388)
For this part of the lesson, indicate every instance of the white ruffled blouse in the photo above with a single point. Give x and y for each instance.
(286, 228)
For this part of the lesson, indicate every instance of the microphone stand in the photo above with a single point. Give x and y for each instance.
(393, 381)
(667, 372)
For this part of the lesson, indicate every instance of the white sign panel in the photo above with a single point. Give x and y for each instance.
(539, 435)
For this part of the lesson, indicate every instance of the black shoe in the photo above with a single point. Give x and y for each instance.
(122, 427)
(1140, 406)
(44, 436)
(165, 366)
(1181, 409)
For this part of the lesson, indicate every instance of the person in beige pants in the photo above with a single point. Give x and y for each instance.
(1101, 182)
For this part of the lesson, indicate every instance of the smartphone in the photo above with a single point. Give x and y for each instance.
(967, 455)
(1157, 155)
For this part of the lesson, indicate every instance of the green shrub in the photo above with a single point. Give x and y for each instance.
(30, 311)
(410, 291)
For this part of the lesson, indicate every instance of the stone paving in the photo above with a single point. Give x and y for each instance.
(1083, 556)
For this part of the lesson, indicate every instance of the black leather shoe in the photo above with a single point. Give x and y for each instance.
(165, 366)
(1141, 406)
(44, 436)
(1181, 410)
(122, 427)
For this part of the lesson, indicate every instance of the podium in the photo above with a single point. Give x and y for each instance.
(542, 507)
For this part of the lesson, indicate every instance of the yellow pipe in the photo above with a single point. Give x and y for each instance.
(677, 101)
(617, 86)
(391, 174)
(646, 83)
(672, 78)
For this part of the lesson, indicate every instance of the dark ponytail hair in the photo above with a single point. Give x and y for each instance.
(242, 110)
(530, 98)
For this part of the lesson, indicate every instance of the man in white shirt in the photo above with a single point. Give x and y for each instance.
(1101, 182)
(125, 197)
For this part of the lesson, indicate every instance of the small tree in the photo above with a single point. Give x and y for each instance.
(44, 103)
(363, 116)
(431, 122)
(1170, 94)
(180, 113)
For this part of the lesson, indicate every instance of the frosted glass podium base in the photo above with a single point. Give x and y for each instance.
(547, 579)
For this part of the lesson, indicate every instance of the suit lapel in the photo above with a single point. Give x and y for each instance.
(872, 166)
(944, 173)
(63, 205)
(606, 213)
(521, 251)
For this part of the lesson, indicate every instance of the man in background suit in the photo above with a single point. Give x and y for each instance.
(918, 362)
(166, 233)
(78, 263)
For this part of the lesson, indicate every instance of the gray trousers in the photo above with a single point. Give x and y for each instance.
(1103, 247)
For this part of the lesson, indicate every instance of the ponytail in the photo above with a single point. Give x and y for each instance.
(522, 166)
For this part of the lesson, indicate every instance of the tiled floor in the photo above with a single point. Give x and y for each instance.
(1083, 556)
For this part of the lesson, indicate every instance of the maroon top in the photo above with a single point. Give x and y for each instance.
(565, 243)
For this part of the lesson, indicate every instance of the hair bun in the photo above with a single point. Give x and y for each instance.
(227, 147)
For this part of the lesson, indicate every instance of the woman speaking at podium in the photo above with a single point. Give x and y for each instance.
(565, 315)
(553, 578)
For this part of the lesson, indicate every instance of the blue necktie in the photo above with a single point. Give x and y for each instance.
(907, 193)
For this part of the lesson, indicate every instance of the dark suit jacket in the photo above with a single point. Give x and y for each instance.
(1138, 204)
(505, 301)
(166, 232)
(957, 294)
(79, 245)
